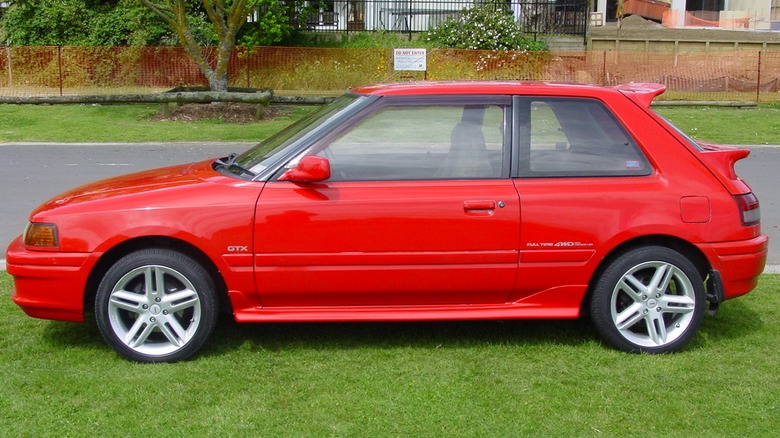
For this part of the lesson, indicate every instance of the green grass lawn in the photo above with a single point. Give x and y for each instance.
(759, 125)
(512, 378)
(125, 123)
(129, 123)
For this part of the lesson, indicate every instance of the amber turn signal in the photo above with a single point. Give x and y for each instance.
(44, 235)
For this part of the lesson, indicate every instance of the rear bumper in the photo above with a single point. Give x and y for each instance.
(739, 263)
(49, 285)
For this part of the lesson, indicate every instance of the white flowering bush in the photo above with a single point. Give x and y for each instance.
(487, 26)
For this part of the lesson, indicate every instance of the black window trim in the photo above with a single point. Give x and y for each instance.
(502, 100)
(522, 151)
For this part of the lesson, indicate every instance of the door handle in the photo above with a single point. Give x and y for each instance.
(476, 206)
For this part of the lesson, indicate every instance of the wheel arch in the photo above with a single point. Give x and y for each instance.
(129, 246)
(687, 249)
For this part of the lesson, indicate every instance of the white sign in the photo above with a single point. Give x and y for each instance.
(409, 59)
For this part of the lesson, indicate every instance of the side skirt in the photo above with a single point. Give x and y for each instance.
(406, 313)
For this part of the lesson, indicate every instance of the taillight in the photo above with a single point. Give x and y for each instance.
(749, 211)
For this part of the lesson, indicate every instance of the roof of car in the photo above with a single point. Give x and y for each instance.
(642, 92)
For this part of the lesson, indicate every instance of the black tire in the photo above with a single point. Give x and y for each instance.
(648, 300)
(156, 325)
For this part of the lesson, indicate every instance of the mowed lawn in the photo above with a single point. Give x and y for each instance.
(131, 123)
(128, 123)
(508, 378)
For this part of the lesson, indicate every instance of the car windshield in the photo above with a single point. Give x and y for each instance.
(261, 156)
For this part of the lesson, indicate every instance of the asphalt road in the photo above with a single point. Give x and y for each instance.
(34, 172)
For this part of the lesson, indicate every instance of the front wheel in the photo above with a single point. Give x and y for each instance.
(649, 300)
(156, 305)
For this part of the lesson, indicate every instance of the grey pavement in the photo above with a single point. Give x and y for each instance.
(53, 168)
(35, 172)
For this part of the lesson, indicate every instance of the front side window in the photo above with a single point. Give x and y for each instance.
(574, 137)
(258, 158)
(420, 142)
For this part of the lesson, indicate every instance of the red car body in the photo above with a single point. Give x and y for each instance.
(295, 246)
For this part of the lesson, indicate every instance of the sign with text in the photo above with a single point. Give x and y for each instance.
(409, 59)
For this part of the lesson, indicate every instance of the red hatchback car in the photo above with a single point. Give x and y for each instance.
(404, 202)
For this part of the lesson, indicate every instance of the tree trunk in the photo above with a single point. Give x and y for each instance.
(218, 84)
(226, 22)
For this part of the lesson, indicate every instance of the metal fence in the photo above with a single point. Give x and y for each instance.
(567, 17)
(45, 71)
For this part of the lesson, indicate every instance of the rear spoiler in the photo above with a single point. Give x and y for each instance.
(641, 92)
(721, 160)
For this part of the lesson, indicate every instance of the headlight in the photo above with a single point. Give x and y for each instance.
(43, 235)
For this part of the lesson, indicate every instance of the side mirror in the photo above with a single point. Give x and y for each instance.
(310, 168)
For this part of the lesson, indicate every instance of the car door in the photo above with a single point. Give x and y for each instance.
(419, 210)
(581, 178)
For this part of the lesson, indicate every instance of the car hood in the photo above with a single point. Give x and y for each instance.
(122, 187)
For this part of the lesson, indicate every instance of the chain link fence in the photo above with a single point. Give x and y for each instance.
(703, 76)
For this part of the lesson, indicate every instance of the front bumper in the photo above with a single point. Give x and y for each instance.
(49, 285)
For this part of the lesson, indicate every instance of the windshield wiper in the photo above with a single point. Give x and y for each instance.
(230, 163)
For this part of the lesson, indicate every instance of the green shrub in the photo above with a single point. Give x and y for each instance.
(488, 26)
(81, 23)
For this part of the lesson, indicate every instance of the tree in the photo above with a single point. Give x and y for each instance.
(194, 23)
(226, 16)
(275, 20)
(81, 23)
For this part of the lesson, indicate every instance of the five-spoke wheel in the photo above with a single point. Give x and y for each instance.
(156, 305)
(650, 299)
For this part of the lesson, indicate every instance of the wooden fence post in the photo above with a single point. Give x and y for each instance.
(758, 80)
(10, 67)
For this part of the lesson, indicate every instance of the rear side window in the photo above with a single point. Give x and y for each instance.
(574, 137)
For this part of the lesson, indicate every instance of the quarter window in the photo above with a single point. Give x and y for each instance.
(574, 137)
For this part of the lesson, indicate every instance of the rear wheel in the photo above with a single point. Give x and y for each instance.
(650, 299)
(156, 305)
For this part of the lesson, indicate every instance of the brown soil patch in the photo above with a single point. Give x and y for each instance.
(229, 112)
